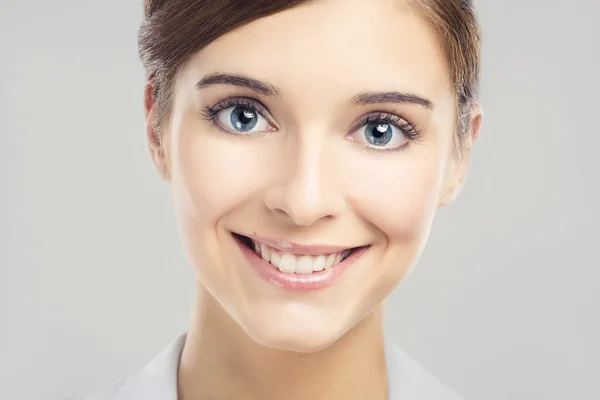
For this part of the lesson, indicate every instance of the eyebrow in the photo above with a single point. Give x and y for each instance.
(270, 90)
(366, 98)
(255, 85)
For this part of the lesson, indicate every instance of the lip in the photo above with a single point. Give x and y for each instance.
(299, 282)
(296, 248)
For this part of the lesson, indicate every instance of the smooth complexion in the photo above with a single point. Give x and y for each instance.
(306, 175)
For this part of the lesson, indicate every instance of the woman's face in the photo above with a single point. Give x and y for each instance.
(320, 130)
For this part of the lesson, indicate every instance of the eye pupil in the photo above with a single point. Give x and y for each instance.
(379, 134)
(246, 116)
(243, 118)
(380, 130)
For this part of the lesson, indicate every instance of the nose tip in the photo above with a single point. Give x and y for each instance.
(300, 219)
(302, 204)
(306, 190)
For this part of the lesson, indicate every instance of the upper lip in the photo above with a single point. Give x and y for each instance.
(286, 246)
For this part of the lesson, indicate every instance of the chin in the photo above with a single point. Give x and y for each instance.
(293, 332)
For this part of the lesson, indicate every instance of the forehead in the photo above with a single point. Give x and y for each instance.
(337, 45)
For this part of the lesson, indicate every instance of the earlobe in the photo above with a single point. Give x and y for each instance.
(447, 197)
(157, 153)
(154, 139)
(476, 121)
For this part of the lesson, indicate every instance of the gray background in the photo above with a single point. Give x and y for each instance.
(93, 282)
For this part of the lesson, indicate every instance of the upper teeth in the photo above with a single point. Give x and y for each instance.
(299, 264)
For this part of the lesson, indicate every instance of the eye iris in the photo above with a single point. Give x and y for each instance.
(243, 118)
(379, 134)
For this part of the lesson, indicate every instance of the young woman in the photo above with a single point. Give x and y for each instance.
(308, 145)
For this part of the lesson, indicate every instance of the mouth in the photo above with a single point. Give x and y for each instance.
(302, 261)
(297, 267)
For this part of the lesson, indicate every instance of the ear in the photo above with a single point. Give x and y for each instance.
(460, 166)
(155, 140)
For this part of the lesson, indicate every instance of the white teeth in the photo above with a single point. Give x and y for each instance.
(275, 258)
(290, 263)
(329, 261)
(304, 265)
(319, 263)
(287, 263)
(337, 258)
(265, 252)
(257, 248)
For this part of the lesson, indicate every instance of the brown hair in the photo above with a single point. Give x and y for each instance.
(174, 30)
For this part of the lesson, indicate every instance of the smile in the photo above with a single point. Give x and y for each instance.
(295, 266)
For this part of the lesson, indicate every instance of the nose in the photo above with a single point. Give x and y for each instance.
(308, 190)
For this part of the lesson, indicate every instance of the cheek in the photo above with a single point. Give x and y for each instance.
(399, 194)
(212, 173)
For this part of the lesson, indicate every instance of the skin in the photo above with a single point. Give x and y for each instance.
(309, 178)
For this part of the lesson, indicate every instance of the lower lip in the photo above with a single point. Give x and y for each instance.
(299, 282)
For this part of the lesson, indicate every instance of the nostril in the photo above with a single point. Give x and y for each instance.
(279, 212)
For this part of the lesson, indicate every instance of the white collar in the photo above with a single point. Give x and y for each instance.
(158, 379)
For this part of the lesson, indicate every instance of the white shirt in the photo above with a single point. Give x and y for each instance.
(407, 380)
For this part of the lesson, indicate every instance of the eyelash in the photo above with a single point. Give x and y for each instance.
(210, 113)
(409, 129)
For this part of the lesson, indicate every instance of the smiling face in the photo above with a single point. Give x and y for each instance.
(318, 140)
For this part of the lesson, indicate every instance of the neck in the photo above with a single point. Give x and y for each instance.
(219, 361)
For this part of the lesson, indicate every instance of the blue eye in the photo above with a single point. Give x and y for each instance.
(240, 116)
(379, 134)
(242, 119)
(385, 132)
